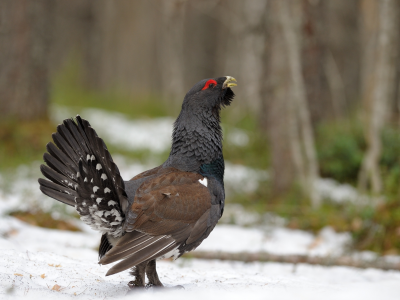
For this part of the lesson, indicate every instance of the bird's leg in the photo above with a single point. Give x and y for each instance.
(139, 272)
(152, 275)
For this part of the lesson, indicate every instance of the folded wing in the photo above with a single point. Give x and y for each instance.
(169, 212)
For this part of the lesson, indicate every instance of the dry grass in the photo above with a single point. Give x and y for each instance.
(44, 219)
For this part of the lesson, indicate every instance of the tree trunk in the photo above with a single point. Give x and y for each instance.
(313, 55)
(279, 117)
(289, 99)
(250, 40)
(121, 46)
(342, 63)
(24, 48)
(170, 53)
(378, 91)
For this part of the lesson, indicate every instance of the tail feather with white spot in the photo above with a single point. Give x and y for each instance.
(82, 174)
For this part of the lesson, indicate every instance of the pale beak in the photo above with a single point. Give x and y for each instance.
(229, 82)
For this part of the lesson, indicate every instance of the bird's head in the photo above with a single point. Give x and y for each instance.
(210, 93)
(197, 135)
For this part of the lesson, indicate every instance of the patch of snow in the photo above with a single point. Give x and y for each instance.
(115, 128)
(237, 137)
(276, 240)
(21, 236)
(242, 179)
(19, 190)
(330, 189)
(238, 215)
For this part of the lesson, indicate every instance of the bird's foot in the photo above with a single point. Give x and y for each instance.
(135, 284)
(153, 286)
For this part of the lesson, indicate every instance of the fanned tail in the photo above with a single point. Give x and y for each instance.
(83, 174)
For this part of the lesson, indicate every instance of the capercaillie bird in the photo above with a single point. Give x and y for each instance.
(160, 213)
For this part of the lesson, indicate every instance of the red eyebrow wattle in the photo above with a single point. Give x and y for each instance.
(211, 81)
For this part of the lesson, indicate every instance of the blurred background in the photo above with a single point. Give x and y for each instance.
(312, 138)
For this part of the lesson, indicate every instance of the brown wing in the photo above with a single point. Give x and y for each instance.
(168, 210)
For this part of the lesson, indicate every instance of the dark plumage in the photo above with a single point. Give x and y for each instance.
(160, 213)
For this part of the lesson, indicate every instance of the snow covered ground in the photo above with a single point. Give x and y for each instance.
(39, 263)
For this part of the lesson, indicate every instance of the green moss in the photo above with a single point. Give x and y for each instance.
(23, 142)
(340, 148)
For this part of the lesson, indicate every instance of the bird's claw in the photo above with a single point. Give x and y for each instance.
(133, 285)
(149, 286)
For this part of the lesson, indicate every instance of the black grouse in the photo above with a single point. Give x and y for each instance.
(160, 213)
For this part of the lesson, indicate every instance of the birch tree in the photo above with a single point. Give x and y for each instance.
(379, 83)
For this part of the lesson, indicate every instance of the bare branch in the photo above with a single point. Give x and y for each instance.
(348, 261)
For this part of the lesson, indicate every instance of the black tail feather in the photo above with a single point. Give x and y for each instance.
(81, 130)
(61, 156)
(65, 147)
(58, 166)
(75, 132)
(57, 187)
(105, 246)
(66, 134)
(56, 177)
(62, 197)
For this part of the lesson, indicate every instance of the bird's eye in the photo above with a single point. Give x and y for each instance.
(209, 84)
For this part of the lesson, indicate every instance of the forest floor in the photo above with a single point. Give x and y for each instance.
(40, 263)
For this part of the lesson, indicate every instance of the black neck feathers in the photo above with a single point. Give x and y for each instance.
(196, 140)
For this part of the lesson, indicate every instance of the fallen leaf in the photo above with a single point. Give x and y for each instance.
(43, 276)
(57, 266)
(18, 274)
(56, 287)
(51, 265)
